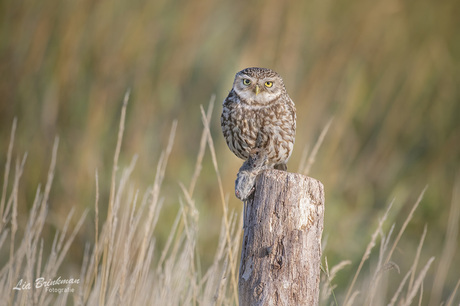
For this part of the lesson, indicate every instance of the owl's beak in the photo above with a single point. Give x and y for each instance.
(257, 90)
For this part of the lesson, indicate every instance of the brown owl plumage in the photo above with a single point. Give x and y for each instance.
(259, 117)
(258, 114)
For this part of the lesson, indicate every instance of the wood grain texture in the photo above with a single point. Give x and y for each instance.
(281, 251)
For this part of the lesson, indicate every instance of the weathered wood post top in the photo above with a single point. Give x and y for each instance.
(281, 251)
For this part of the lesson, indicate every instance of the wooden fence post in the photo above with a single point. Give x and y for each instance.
(281, 252)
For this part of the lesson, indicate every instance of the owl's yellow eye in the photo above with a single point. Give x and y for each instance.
(268, 84)
(247, 82)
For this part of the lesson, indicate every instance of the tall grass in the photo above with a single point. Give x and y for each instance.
(121, 268)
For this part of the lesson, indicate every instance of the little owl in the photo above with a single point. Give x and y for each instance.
(259, 120)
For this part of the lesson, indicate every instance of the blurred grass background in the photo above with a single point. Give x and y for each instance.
(388, 72)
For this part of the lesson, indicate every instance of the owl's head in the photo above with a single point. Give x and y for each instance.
(258, 86)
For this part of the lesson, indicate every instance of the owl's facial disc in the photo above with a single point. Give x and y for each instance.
(256, 90)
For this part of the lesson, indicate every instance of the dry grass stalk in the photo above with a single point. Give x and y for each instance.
(96, 231)
(410, 274)
(452, 295)
(421, 295)
(7, 169)
(305, 170)
(232, 258)
(416, 259)
(367, 252)
(395, 297)
(105, 259)
(327, 289)
(199, 160)
(406, 222)
(450, 246)
(417, 284)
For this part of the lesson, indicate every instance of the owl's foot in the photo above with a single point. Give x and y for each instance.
(245, 184)
(246, 177)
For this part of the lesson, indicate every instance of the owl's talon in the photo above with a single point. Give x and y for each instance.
(244, 184)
